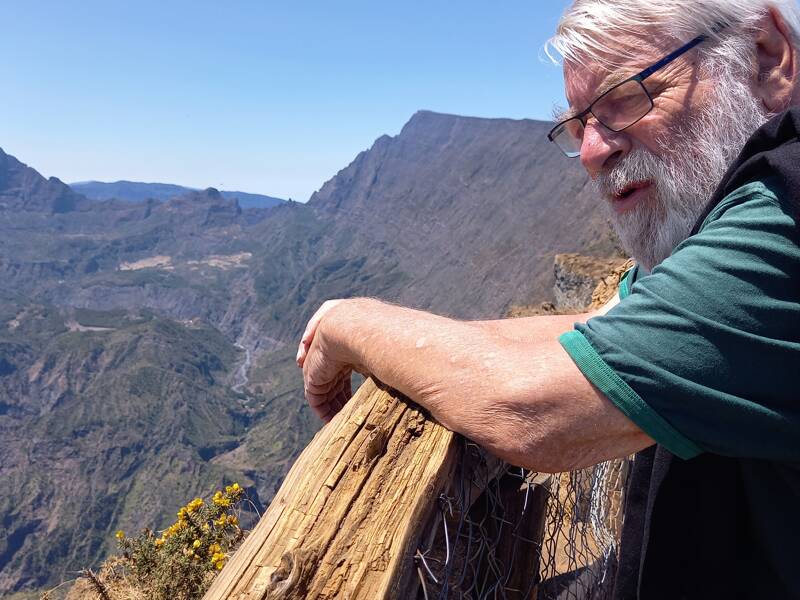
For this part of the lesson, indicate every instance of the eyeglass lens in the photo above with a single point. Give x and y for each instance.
(617, 109)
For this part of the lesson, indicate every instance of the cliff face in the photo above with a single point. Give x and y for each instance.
(458, 215)
(460, 200)
(22, 188)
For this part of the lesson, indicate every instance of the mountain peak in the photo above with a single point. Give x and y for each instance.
(427, 118)
(24, 188)
(427, 142)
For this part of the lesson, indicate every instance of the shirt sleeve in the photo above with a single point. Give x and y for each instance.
(701, 354)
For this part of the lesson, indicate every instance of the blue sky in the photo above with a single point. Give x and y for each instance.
(263, 96)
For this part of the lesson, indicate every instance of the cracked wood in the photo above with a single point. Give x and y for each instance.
(349, 516)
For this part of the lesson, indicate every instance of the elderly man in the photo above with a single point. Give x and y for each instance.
(682, 113)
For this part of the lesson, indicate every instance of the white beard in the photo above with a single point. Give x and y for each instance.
(691, 163)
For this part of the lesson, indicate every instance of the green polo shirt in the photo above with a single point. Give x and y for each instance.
(703, 354)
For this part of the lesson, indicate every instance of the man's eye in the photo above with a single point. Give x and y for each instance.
(627, 100)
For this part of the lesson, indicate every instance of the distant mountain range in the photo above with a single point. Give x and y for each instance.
(146, 348)
(135, 191)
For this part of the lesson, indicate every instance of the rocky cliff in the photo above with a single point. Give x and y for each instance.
(23, 189)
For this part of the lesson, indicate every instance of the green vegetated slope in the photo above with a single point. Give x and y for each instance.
(104, 429)
(146, 348)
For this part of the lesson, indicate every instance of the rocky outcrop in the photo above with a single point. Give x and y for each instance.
(135, 191)
(581, 283)
(22, 188)
(458, 215)
(577, 277)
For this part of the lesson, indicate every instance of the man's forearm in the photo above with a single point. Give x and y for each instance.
(542, 327)
(465, 373)
(533, 329)
(420, 354)
(524, 401)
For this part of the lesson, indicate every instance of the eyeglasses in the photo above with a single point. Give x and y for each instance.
(622, 106)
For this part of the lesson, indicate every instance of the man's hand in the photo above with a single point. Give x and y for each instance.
(311, 330)
(326, 365)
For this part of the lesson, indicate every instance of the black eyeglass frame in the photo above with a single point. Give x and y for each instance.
(638, 78)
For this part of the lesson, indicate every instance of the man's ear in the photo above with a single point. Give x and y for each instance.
(776, 74)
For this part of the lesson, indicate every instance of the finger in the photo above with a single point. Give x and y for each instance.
(321, 376)
(307, 337)
(337, 404)
(326, 387)
(328, 414)
(334, 403)
(341, 400)
(311, 326)
(311, 330)
(319, 400)
(337, 393)
(302, 351)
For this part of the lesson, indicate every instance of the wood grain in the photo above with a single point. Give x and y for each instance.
(350, 514)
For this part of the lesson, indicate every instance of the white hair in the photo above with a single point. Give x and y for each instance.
(694, 155)
(609, 32)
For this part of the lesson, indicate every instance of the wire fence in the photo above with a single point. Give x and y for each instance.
(503, 532)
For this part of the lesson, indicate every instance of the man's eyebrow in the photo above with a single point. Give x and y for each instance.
(606, 84)
(613, 79)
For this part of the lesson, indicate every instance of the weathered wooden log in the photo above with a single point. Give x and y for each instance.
(351, 513)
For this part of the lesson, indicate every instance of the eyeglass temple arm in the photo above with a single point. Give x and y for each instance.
(682, 50)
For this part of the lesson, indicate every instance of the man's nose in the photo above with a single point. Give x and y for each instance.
(601, 148)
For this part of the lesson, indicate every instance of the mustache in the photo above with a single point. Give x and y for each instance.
(639, 166)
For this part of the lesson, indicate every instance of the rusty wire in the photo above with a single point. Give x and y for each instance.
(561, 547)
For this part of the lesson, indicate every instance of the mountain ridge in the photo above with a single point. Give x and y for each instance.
(137, 191)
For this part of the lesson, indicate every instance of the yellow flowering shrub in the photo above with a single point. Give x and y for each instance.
(180, 562)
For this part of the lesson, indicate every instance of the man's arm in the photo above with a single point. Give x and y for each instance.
(543, 327)
(519, 396)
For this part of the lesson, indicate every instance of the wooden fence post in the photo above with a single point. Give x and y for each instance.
(353, 509)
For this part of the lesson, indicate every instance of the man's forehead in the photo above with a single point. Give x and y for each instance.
(600, 81)
(587, 80)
